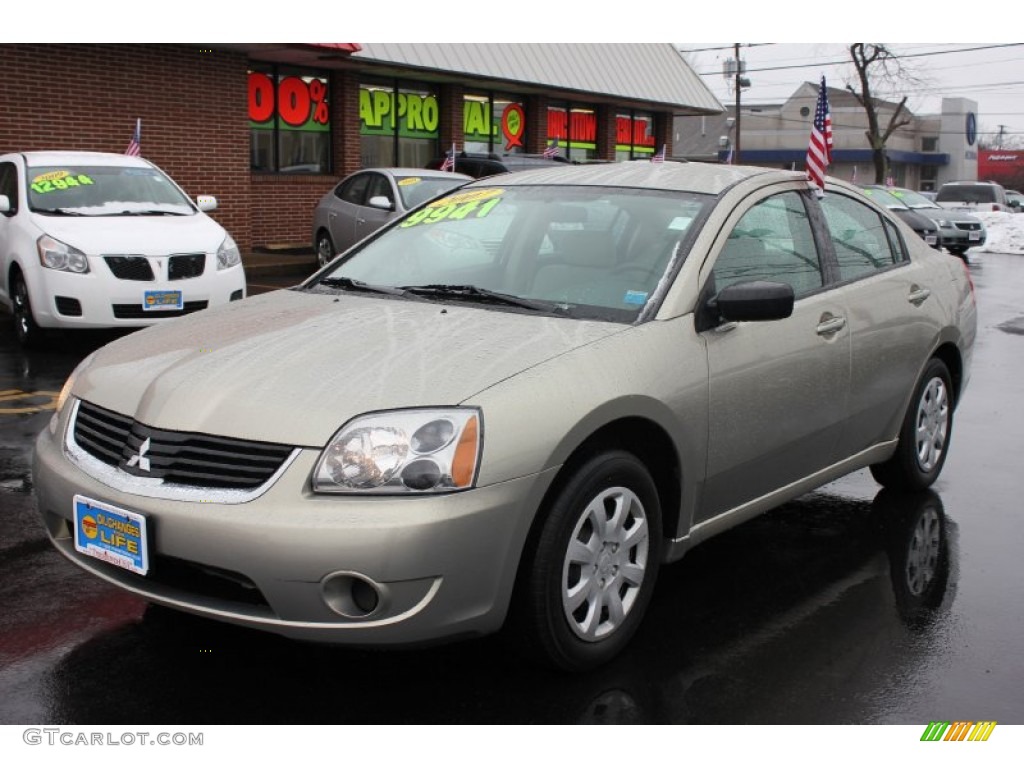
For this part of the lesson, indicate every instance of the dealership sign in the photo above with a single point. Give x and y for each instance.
(297, 103)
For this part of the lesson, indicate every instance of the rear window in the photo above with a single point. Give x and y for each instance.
(968, 193)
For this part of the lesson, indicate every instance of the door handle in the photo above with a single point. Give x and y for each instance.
(830, 324)
(917, 295)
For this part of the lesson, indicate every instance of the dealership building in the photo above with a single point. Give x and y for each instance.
(269, 128)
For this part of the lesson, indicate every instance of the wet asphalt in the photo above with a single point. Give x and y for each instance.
(811, 614)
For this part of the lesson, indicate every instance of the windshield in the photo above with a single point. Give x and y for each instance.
(883, 197)
(966, 193)
(104, 190)
(587, 252)
(913, 199)
(415, 190)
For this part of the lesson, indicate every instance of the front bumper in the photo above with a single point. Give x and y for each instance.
(98, 299)
(954, 237)
(443, 566)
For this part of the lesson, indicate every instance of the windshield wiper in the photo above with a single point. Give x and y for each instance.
(59, 212)
(149, 212)
(348, 284)
(475, 293)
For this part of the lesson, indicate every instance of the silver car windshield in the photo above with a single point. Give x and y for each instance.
(415, 190)
(104, 190)
(588, 252)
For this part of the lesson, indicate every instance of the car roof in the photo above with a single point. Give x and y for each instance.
(61, 157)
(706, 178)
(421, 172)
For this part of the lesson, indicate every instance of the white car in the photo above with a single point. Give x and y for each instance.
(97, 240)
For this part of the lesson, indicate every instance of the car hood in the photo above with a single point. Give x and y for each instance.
(947, 214)
(139, 235)
(292, 367)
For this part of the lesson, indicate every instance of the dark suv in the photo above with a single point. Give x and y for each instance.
(480, 165)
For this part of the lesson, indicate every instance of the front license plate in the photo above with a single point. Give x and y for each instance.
(111, 534)
(974, 235)
(931, 239)
(158, 300)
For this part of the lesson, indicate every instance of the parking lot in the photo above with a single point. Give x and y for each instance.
(815, 627)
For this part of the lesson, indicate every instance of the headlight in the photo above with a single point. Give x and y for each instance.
(227, 254)
(65, 391)
(944, 223)
(53, 254)
(428, 450)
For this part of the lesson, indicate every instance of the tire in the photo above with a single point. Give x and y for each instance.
(324, 249)
(29, 334)
(924, 437)
(585, 586)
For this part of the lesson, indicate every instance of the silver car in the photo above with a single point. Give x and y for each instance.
(958, 231)
(364, 202)
(512, 407)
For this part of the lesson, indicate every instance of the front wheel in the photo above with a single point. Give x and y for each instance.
(324, 249)
(29, 334)
(924, 437)
(585, 587)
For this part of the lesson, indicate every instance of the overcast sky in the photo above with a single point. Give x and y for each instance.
(992, 74)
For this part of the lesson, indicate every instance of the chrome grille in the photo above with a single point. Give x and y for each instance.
(183, 458)
(968, 226)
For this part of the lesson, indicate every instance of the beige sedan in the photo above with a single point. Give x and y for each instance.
(512, 407)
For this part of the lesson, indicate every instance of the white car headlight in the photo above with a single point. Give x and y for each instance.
(53, 254)
(429, 450)
(228, 254)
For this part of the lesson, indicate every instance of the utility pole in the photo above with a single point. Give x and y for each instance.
(736, 52)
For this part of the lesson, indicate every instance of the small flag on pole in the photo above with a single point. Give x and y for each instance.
(853, 176)
(552, 149)
(449, 160)
(728, 157)
(819, 151)
(135, 145)
(659, 156)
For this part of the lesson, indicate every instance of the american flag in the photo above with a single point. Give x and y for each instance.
(819, 151)
(449, 160)
(659, 156)
(552, 149)
(135, 145)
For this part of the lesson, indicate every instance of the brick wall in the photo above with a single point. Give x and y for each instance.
(192, 103)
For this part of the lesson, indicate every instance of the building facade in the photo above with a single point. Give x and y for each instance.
(923, 154)
(269, 128)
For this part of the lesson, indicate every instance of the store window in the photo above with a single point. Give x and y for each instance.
(289, 120)
(493, 123)
(574, 129)
(634, 135)
(930, 144)
(398, 125)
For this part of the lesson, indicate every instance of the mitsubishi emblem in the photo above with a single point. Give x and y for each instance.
(140, 457)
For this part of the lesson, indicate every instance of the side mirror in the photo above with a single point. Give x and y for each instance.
(206, 203)
(754, 300)
(5, 204)
(382, 202)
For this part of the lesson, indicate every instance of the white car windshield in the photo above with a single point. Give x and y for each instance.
(592, 252)
(104, 190)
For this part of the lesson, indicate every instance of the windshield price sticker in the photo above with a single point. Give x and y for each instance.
(409, 181)
(455, 208)
(56, 180)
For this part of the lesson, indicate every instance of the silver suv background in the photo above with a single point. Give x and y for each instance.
(973, 196)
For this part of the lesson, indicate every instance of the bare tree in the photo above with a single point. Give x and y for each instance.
(879, 68)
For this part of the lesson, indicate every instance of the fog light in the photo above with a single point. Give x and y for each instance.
(351, 595)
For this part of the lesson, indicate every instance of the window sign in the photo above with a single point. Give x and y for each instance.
(417, 113)
(289, 121)
(634, 135)
(575, 129)
(493, 123)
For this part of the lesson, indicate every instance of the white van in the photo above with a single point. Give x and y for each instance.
(98, 240)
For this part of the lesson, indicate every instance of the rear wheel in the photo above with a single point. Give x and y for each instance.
(924, 436)
(29, 334)
(585, 587)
